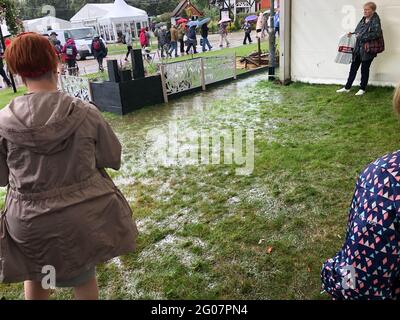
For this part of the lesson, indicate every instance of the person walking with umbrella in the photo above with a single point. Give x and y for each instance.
(204, 34)
(247, 32)
(223, 32)
(192, 39)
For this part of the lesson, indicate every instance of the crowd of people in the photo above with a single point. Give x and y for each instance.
(67, 54)
(183, 38)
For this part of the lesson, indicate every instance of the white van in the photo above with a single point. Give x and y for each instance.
(83, 38)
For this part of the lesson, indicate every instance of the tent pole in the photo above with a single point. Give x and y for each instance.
(115, 32)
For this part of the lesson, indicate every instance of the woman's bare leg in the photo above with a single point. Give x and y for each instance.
(87, 291)
(35, 291)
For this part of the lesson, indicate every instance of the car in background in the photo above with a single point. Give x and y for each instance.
(83, 38)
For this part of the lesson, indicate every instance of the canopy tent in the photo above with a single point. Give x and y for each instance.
(4, 30)
(122, 18)
(90, 13)
(41, 25)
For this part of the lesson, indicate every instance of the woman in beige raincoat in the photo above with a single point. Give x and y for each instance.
(63, 214)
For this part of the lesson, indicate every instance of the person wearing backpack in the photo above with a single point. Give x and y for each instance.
(99, 51)
(369, 43)
(70, 52)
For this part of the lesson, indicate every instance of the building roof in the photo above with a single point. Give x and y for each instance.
(186, 5)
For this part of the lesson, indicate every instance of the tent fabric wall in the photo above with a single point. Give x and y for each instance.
(316, 28)
(41, 25)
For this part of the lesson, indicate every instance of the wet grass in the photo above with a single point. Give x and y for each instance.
(207, 233)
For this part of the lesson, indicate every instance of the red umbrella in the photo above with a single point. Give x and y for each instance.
(181, 20)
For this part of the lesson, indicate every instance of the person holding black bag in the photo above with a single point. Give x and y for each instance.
(370, 42)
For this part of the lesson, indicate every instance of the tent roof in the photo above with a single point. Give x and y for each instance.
(44, 19)
(92, 11)
(120, 10)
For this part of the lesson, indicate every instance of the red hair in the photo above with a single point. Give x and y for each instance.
(31, 55)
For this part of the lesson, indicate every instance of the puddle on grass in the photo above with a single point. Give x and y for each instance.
(158, 136)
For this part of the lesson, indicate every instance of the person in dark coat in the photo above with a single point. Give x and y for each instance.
(247, 32)
(192, 40)
(99, 51)
(368, 29)
(204, 35)
(2, 71)
(161, 35)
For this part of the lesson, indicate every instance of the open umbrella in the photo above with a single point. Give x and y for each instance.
(181, 20)
(224, 20)
(251, 18)
(192, 24)
(160, 24)
(204, 21)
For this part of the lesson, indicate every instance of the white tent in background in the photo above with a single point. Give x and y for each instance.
(111, 18)
(90, 13)
(122, 18)
(41, 25)
(4, 30)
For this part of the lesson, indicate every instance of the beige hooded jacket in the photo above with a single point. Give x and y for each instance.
(62, 209)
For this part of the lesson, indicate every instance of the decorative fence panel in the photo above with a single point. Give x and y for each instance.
(189, 74)
(182, 76)
(76, 87)
(219, 68)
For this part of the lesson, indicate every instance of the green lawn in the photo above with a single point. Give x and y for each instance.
(151, 68)
(206, 233)
(7, 95)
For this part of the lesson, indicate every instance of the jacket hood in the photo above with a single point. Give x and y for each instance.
(42, 122)
(70, 41)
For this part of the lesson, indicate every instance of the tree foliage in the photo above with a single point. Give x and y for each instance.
(65, 9)
(9, 15)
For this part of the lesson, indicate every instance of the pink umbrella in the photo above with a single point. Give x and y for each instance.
(182, 20)
(224, 20)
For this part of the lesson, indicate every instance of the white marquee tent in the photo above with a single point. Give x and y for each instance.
(310, 32)
(111, 19)
(41, 25)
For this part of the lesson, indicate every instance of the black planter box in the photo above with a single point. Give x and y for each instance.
(124, 97)
(126, 75)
